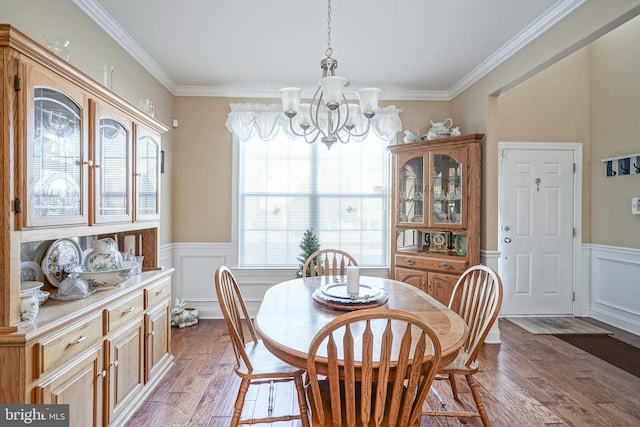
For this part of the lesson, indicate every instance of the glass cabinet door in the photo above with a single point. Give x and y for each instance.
(112, 169)
(447, 206)
(147, 175)
(411, 191)
(56, 170)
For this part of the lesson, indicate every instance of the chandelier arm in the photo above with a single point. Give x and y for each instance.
(308, 134)
(305, 133)
(340, 138)
(292, 129)
(365, 132)
(315, 121)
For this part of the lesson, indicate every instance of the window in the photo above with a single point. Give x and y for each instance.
(286, 186)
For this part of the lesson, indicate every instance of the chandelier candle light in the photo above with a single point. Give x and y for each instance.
(329, 115)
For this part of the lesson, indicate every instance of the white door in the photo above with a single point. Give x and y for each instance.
(536, 230)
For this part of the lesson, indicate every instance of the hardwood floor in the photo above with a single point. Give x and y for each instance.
(527, 380)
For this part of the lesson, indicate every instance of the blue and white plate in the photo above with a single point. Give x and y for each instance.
(62, 254)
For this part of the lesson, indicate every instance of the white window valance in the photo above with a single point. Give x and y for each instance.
(245, 120)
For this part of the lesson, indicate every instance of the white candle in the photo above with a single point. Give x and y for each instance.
(353, 280)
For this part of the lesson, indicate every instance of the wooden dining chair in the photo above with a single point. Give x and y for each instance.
(328, 262)
(371, 368)
(254, 363)
(476, 297)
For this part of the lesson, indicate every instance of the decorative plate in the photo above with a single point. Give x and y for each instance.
(61, 254)
(339, 290)
(30, 271)
(72, 296)
(335, 296)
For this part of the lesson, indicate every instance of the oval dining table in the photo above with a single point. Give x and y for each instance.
(289, 317)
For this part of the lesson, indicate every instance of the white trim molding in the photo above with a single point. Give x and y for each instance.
(615, 286)
(490, 259)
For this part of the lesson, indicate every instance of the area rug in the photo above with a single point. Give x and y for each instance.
(605, 347)
(556, 325)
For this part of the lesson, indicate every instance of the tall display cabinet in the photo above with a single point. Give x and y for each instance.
(435, 227)
(77, 163)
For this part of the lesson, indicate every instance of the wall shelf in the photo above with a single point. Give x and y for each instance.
(629, 164)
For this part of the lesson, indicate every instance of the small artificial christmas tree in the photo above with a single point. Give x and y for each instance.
(309, 244)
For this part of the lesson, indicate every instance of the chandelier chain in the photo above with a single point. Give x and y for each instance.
(329, 49)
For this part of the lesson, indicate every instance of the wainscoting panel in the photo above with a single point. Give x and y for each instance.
(193, 280)
(615, 286)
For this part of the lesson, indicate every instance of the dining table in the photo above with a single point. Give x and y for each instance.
(291, 314)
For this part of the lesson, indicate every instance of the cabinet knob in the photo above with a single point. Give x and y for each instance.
(103, 374)
(115, 363)
(129, 310)
(152, 333)
(411, 261)
(96, 166)
(88, 162)
(79, 340)
(161, 291)
(446, 265)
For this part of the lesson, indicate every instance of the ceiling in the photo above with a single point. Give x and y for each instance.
(411, 49)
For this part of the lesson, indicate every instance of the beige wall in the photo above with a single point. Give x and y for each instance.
(196, 184)
(90, 49)
(476, 109)
(552, 106)
(615, 131)
(203, 162)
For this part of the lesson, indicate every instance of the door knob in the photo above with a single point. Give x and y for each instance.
(507, 239)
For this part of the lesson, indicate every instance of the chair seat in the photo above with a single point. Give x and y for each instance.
(265, 363)
(457, 366)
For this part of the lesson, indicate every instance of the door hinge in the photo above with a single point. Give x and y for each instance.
(573, 296)
(574, 168)
(17, 206)
(17, 83)
(574, 232)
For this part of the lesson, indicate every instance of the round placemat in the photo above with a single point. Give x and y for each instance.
(335, 296)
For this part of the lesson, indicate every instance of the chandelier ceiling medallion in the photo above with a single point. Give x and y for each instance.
(328, 115)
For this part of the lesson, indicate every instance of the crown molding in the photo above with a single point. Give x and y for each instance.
(124, 39)
(551, 17)
(231, 92)
(114, 30)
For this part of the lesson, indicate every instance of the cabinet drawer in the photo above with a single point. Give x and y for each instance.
(123, 312)
(52, 351)
(157, 292)
(424, 263)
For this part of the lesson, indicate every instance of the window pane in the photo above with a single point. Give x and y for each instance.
(287, 186)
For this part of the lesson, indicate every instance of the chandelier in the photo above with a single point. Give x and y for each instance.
(328, 115)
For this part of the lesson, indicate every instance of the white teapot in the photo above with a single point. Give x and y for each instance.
(440, 128)
(410, 136)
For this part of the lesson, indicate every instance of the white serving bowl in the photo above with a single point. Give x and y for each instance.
(104, 279)
(30, 286)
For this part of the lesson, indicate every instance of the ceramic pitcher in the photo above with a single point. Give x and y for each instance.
(104, 256)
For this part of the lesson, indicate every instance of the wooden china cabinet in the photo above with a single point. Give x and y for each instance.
(435, 227)
(78, 163)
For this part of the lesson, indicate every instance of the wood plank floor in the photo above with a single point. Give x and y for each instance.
(527, 380)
